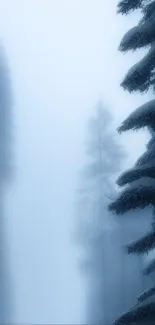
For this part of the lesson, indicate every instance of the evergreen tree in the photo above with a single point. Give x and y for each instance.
(96, 181)
(97, 186)
(100, 238)
(139, 182)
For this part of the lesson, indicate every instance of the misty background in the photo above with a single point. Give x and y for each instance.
(63, 58)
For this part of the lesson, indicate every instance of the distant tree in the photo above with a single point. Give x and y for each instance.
(97, 176)
(139, 182)
(96, 190)
(5, 174)
(97, 229)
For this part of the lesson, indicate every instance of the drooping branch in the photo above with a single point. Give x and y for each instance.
(136, 174)
(131, 198)
(140, 314)
(138, 36)
(147, 158)
(151, 143)
(143, 245)
(143, 116)
(149, 268)
(146, 294)
(148, 11)
(125, 6)
(139, 77)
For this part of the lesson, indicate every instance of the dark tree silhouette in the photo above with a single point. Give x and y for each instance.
(139, 191)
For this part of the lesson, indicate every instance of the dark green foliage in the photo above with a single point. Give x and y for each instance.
(141, 76)
(148, 11)
(144, 313)
(125, 6)
(132, 198)
(143, 116)
(140, 180)
(149, 268)
(151, 143)
(136, 174)
(146, 158)
(139, 36)
(143, 245)
(146, 294)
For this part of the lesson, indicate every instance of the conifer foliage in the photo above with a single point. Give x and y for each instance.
(94, 226)
(139, 182)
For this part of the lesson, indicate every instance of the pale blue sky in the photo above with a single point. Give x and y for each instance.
(63, 58)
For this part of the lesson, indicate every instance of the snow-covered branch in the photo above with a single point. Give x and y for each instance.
(136, 174)
(139, 76)
(140, 314)
(143, 116)
(146, 294)
(147, 158)
(138, 36)
(143, 245)
(124, 6)
(150, 267)
(138, 196)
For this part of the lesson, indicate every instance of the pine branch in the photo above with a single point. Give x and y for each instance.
(132, 198)
(151, 143)
(139, 76)
(146, 294)
(143, 245)
(138, 37)
(142, 313)
(143, 116)
(149, 268)
(146, 158)
(148, 11)
(135, 174)
(125, 6)
(140, 192)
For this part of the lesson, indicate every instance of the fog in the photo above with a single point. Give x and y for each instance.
(63, 57)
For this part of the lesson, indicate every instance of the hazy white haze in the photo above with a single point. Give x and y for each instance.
(63, 58)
